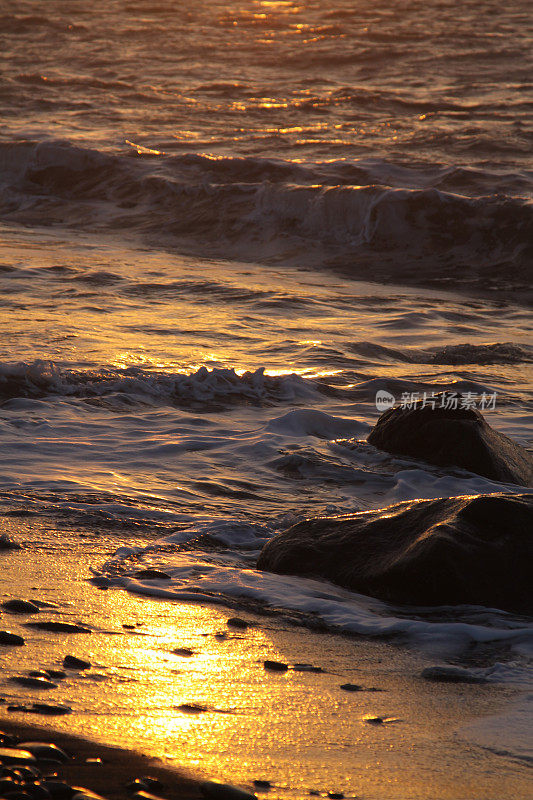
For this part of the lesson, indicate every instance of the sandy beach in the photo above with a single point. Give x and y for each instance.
(180, 685)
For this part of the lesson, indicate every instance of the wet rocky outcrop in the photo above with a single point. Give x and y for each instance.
(449, 436)
(448, 551)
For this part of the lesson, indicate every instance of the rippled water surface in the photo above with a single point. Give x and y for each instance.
(225, 228)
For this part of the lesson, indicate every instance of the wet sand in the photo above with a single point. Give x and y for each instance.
(218, 713)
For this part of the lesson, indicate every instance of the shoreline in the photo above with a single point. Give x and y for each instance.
(217, 713)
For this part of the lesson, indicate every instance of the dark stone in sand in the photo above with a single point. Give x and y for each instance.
(58, 789)
(375, 720)
(45, 750)
(451, 437)
(451, 675)
(49, 710)
(351, 687)
(58, 674)
(191, 708)
(237, 622)
(261, 784)
(152, 575)
(275, 666)
(73, 662)
(33, 683)
(16, 755)
(186, 652)
(6, 543)
(336, 795)
(8, 638)
(34, 673)
(145, 783)
(476, 550)
(58, 627)
(224, 791)
(20, 607)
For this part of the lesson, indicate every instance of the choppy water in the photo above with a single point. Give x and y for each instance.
(148, 385)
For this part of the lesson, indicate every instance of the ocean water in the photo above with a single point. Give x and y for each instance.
(225, 228)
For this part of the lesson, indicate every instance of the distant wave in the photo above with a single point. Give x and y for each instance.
(376, 220)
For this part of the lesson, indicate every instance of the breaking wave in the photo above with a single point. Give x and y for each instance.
(371, 218)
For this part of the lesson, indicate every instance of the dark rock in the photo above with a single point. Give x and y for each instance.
(456, 437)
(58, 674)
(20, 607)
(38, 674)
(351, 687)
(16, 755)
(224, 791)
(261, 784)
(375, 720)
(275, 666)
(8, 638)
(73, 662)
(50, 710)
(191, 708)
(7, 543)
(59, 790)
(33, 683)
(152, 575)
(336, 795)
(476, 550)
(45, 750)
(144, 784)
(451, 675)
(8, 784)
(58, 627)
(237, 622)
(37, 791)
(186, 652)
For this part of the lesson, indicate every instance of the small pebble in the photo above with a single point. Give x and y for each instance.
(8, 638)
(183, 651)
(351, 687)
(73, 662)
(16, 755)
(20, 607)
(191, 708)
(49, 710)
(261, 784)
(33, 683)
(58, 674)
(237, 622)
(275, 666)
(45, 750)
(58, 627)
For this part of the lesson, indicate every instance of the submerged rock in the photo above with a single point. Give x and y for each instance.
(476, 550)
(456, 437)
(451, 675)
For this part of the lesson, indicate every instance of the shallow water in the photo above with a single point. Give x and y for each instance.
(224, 230)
